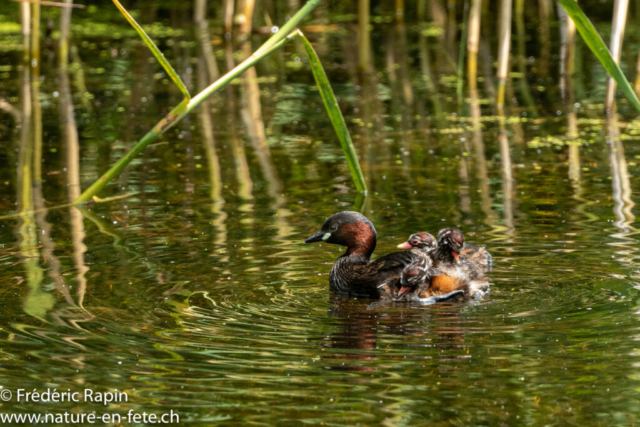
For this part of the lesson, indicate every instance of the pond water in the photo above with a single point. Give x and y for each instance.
(194, 292)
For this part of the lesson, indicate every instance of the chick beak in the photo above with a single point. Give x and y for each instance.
(403, 290)
(405, 245)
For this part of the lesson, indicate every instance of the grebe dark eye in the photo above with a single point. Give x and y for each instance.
(414, 242)
(334, 228)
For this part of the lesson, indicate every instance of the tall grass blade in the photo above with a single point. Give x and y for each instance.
(154, 49)
(337, 120)
(597, 46)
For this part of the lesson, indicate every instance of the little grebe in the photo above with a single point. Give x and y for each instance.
(457, 272)
(417, 284)
(447, 256)
(423, 242)
(354, 273)
(452, 249)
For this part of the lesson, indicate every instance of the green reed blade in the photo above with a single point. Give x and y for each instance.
(599, 48)
(156, 52)
(337, 120)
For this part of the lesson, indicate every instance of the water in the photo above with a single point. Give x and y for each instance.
(194, 293)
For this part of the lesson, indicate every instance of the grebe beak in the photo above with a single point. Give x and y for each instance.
(319, 236)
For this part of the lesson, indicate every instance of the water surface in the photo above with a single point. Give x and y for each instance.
(195, 292)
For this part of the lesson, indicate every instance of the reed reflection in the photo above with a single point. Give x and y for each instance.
(615, 46)
(63, 42)
(523, 81)
(482, 171)
(207, 70)
(35, 38)
(228, 7)
(545, 9)
(506, 166)
(426, 67)
(245, 184)
(402, 55)
(251, 112)
(139, 90)
(620, 181)
(369, 108)
(452, 24)
(486, 62)
(48, 243)
(504, 47)
(245, 18)
(473, 39)
(364, 38)
(25, 24)
(463, 187)
(400, 82)
(37, 302)
(567, 52)
(507, 180)
(72, 148)
(572, 133)
(370, 112)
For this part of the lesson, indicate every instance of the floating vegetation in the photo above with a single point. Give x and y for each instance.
(431, 29)
(556, 142)
(9, 28)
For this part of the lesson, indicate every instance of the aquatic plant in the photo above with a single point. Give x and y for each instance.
(285, 34)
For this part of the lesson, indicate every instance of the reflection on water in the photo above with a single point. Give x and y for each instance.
(195, 291)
